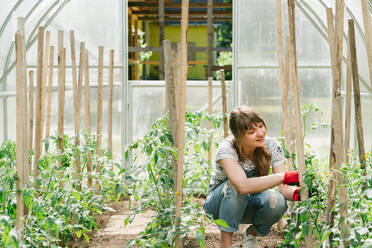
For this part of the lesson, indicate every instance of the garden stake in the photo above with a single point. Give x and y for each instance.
(348, 103)
(182, 109)
(30, 117)
(99, 107)
(224, 104)
(61, 96)
(50, 92)
(39, 88)
(296, 103)
(210, 103)
(357, 103)
(110, 102)
(87, 115)
(21, 120)
(44, 81)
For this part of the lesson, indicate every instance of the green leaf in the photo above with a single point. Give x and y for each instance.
(221, 223)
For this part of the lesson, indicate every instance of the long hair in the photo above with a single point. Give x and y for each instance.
(242, 119)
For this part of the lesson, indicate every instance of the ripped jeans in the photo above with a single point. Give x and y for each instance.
(261, 209)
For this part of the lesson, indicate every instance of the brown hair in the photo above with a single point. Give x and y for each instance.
(242, 119)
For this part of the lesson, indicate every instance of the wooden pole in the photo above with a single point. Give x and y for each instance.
(50, 92)
(30, 117)
(368, 35)
(87, 115)
(77, 112)
(290, 96)
(136, 57)
(44, 80)
(73, 68)
(161, 38)
(99, 105)
(283, 80)
(348, 103)
(111, 88)
(210, 37)
(39, 88)
(171, 95)
(61, 95)
(357, 103)
(182, 110)
(210, 110)
(21, 122)
(224, 104)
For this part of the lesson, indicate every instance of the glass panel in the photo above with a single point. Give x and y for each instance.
(260, 89)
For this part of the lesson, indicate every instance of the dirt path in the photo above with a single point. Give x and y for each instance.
(112, 234)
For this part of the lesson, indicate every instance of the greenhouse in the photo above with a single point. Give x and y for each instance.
(177, 123)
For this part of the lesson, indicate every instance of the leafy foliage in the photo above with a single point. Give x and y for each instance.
(153, 160)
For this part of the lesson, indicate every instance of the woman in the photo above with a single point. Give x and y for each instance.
(240, 190)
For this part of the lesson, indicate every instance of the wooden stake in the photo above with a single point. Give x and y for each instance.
(161, 38)
(73, 67)
(171, 95)
(61, 95)
(30, 116)
(21, 122)
(224, 104)
(357, 103)
(182, 110)
(283, 80)
(210, 37)
(210, 110)
(110, 102)
(44, 80)
(50, 92)
(289, 142)
(348, 103)
(368, 35)
(99, 104)
(39, 88)
(77, 112)
(87, 115)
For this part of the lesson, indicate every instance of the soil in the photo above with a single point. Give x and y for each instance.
(111, 233)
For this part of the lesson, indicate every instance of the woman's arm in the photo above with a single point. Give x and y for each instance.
(285, 190)
(244, 185)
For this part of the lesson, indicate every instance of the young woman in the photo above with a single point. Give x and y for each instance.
(240, 190)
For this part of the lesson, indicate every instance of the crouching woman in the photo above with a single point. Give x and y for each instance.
(240, 190)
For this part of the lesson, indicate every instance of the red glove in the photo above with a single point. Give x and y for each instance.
(296, 195)
(291, 177)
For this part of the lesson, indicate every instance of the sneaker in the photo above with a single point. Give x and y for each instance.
(249, 241)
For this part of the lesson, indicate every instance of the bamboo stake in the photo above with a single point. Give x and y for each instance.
(224, 104)
(182, 110)
(50, 92)
(30, 117)
(61, 95)
(357, 103)
(38, 129)
(87, 115)
(99, 105)
(111, 85)
(77, 112)
(368, 35)
(21, 101)
(210, 110)
(348, 103)
(44, 80)
(283, 80)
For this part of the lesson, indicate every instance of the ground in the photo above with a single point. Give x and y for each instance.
(112, 234)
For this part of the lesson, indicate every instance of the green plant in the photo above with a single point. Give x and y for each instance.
(153, 174)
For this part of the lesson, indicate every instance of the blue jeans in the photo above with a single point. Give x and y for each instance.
(261, 209)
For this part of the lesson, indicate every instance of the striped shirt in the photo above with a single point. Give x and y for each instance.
(227, 150)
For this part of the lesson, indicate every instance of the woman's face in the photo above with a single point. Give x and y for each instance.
(255, 137)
